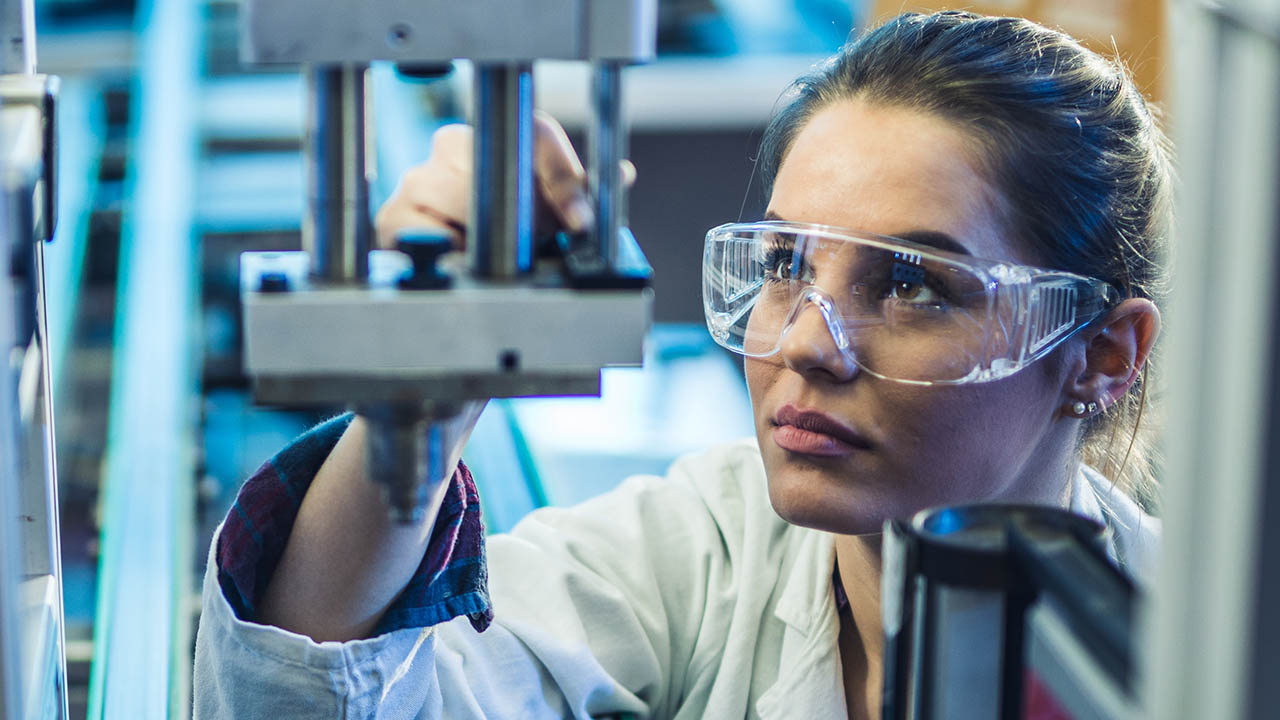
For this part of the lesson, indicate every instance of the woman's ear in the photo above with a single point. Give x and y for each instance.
(1115, 353)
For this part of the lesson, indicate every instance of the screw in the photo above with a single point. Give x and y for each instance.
(399, 34)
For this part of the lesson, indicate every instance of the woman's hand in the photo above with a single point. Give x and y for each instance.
(437, 193)
(346, 560)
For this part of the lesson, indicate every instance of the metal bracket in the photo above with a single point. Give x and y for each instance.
(40, 92)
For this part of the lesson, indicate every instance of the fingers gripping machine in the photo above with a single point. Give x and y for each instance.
(407, 337)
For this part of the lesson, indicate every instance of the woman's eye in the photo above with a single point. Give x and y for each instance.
(783, 265)
(915, 293)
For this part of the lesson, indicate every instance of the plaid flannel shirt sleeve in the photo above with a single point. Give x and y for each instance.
(451, 580)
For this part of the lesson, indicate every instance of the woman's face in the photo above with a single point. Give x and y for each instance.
(891, 171)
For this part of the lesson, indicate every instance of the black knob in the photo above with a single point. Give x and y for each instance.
(273, 281)
(423, 71)
(424, 248)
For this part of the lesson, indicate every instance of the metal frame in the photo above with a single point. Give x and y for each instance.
(506, 329)
(291, 31)
(512, 329)
(1212, 621)
(32, 645)
(11, 701)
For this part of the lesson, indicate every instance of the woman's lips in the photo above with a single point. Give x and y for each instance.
(810, 432)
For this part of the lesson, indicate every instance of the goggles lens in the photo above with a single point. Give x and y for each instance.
(901, 311)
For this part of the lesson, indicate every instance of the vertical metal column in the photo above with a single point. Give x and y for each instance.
(10, 644)
(607, 146)
(407, 455)
(18, 37)
(500, 244)
(1212, 639)
(337, 230)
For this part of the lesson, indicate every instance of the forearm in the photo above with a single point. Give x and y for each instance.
(346, 560)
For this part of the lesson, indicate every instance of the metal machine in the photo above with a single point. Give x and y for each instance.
(405, 337)
(32, 658)
(1214, 636)
(1005, 611)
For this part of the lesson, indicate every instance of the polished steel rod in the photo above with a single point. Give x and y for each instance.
(500, 244)
(337, 230)
(606, 147)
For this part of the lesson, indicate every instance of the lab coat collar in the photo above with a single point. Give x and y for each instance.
(806, 583)
(807, 592)
(1085, 501)
(810, 683)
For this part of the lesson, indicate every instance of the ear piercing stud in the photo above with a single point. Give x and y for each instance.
(1083, 410)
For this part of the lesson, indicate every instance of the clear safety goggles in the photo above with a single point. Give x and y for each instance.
(900, 310)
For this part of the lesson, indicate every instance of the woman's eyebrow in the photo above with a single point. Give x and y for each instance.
(932, 238)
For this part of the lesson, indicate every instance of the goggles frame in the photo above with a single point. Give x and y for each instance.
(1046, 306)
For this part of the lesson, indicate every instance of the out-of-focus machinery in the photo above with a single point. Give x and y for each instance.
(32, 658)
(406, 337)
(1213, 644)
(1005, 612)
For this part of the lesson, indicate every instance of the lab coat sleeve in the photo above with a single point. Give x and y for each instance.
(597, 612)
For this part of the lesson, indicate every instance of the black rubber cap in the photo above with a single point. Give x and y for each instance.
(424, 248)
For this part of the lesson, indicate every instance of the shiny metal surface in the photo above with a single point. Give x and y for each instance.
(11, 658)
(30, 496)
(607, 147)
(1216, 586)
(407, 454)
(293, 31)
(492, 328)
(985, 528)
(1064, 666)
(337, 230)
(500, 231)
(510, 331)
(452, 387)
(954, 602)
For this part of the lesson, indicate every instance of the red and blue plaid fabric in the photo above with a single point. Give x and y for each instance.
(451, 580)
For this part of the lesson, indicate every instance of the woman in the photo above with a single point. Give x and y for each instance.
(905, 348)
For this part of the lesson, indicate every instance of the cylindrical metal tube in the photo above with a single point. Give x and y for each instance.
(500, 245)
(406, 456)
(953, 608)
(606, 148)
(337, 230)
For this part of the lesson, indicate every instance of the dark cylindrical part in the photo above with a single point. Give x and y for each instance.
(500, 245)
(954, 608)
(337, 230)
(406, 456)
(606, 148)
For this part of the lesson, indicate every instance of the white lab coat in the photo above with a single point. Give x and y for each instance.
(677, 597)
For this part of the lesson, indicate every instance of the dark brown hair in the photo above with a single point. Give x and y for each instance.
(1063, 133)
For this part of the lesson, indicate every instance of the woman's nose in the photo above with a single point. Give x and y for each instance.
(813, 342)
